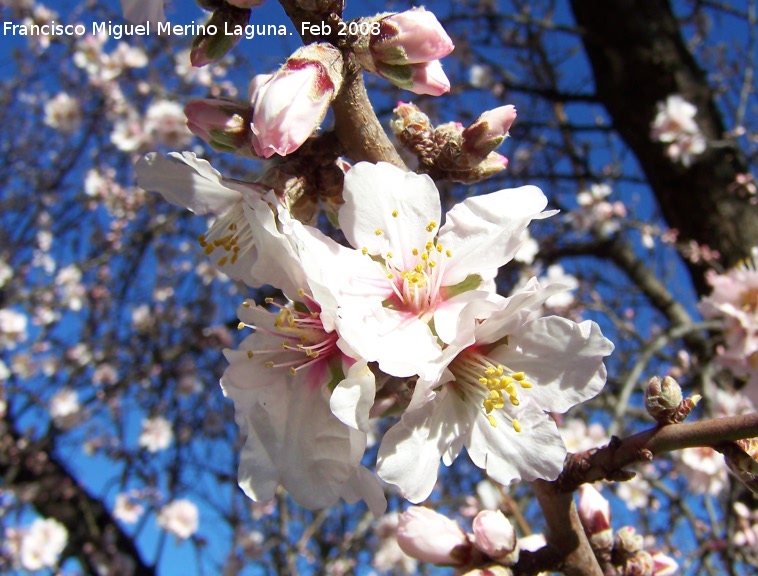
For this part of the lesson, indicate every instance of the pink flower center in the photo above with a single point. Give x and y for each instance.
(308, 344)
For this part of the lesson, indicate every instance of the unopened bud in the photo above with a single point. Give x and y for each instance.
(411, 37)
(292, 104)
(406, 50)
(224, 124)
(640, 564)
(207, 48)
(664, 565)
(742, 459)
(494, 535)
(662, 398)
(594, 510)
(626, 544)
(428, 536)
(487, 132)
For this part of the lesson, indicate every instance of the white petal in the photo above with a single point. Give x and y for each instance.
(535, 452)
(563, 359)
(410, 453)
(277, 262)
(402, 344)
(294, 439)
(373, 194)
(364, 485)
(352, 398)
(485, 232)
(187, 181)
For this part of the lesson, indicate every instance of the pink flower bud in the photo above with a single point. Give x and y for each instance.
(494, 535)
(488, 131)
(410, 37)
(664, 565)
(428, 79)
(431, 537)
(224, 124)
(594, 510)
(292, 104)
(255, 85)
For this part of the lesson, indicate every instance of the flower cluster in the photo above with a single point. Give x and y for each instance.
(404, 319)
(735, 299)
(675, 126)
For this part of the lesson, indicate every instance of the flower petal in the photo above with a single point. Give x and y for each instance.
(535, 452)
(388, 209)
(409, 456)
(352, 399)
(575, 371)
(485, 232)
(188, 181)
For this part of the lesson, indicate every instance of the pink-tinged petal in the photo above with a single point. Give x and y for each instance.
(188, 181)
(429, 79)
(286, 114)
(293, 439)
(409, 456)
(429, 536)
(388, 209)
(562, 359)
(535, 452)
(485, 232)
(411, 37)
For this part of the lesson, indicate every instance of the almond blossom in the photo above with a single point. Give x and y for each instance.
(735, 299)
(675, 125)
(192, 183)
(502, 376)
(280, 380)
(179, 517)
(406, 272)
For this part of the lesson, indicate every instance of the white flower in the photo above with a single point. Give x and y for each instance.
(192, 183)
(166, 122)
(529, 249)
(156, 434)
(12, 328)
(63, 113)
(675, 125)
(502, 376)
(64, 406)
(180, 518)
(41, 544)
(126, 509)
(278, 380)
(406, 271)
(704, 470)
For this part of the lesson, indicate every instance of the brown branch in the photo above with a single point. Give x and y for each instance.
(94, 537)
(565, 534)
(610, 462)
